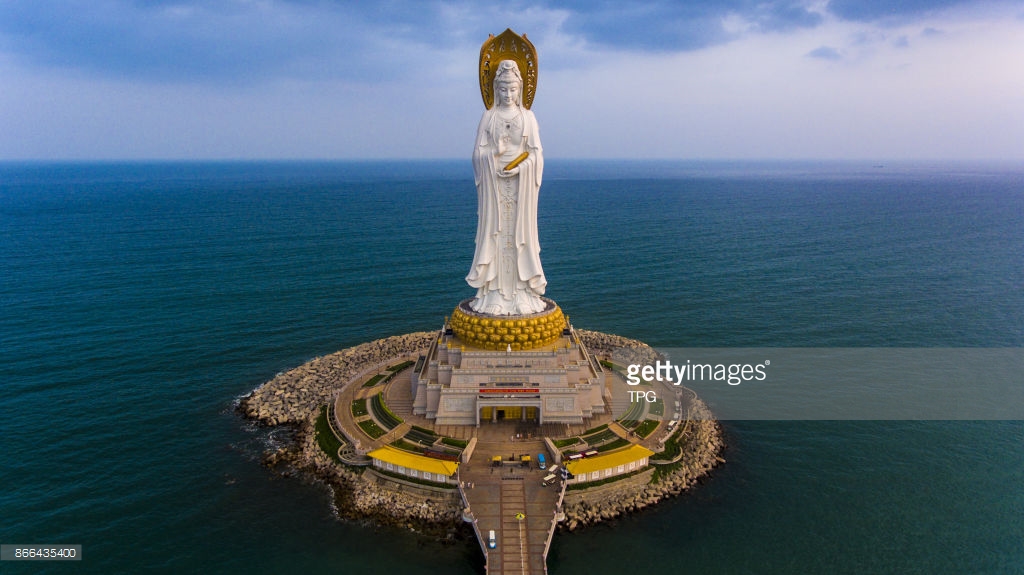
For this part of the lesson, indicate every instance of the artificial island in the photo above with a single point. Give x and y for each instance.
(507, 418)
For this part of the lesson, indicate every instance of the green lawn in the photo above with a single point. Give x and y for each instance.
(371, 428)
(647, 427)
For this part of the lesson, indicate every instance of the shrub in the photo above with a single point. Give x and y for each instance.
(613, 445)
(635, 411)
(599, 437)
(424, 430)
(406, 446)
(374, 380)
(420, 437)
(560, 443)
(672, 447)
(325, 438)
(589, 484)
(400, 366)
(382, 413)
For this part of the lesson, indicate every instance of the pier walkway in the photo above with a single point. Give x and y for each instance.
(510, 500)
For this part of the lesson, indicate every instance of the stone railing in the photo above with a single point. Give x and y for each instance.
(554, 524)
(467, 513)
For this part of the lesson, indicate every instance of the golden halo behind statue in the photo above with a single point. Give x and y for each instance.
(508, 46)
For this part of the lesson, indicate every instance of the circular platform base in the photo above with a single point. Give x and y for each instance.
(498, 332)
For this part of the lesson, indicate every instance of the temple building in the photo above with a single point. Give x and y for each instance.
(414, 466)
(530, 368)
(599, 467)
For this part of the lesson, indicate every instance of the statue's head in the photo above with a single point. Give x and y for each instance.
(508, 84)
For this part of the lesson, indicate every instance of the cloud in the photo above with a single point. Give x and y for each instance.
(888, 10)
(668, 26)
(227, 40)
(252, 40)
(825, 53)
(319, 79)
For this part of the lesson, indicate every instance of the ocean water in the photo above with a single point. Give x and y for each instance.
(139, 301)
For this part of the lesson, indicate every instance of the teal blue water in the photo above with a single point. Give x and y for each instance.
(139, 301)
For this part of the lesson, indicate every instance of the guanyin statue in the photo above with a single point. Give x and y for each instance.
(508, 164)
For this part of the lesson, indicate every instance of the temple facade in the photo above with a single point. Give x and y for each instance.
(456, 383)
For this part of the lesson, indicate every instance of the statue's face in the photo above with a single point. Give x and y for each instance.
(508, 93)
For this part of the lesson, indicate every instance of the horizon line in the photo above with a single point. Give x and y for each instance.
(240, 160)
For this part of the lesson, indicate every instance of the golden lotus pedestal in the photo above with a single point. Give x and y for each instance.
(532, 368)
(520, 332)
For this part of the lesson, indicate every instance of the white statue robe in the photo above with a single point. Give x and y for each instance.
(496, 294)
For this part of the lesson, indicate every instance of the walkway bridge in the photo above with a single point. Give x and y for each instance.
(509, 499)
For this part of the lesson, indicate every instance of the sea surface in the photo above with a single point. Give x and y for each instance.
(139, 301)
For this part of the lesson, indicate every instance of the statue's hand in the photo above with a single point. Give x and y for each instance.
(508, 173)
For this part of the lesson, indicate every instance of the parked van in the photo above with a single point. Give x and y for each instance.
(554, 468)
(548, 480)
(541, 462)
(492, 542)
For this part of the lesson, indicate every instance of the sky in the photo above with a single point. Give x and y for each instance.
(316, 79)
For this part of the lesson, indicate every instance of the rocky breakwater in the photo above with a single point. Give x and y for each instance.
(292, 396)
(701, 447)
(609, 345)
(698, 444)
(361, 495)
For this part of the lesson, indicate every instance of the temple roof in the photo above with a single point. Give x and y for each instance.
(616, 458)
(408, 460)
